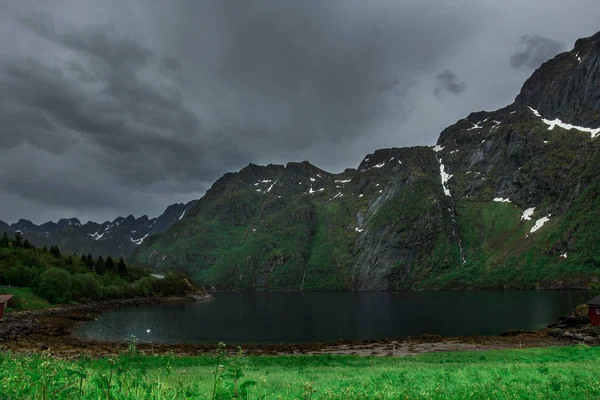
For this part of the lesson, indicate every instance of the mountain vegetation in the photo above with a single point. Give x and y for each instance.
(506, 199)
(58, 278)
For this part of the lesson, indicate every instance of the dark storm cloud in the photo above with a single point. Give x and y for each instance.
(303, 70)
(105, 98)
(534, 50)
(265, 80)
(448, 82)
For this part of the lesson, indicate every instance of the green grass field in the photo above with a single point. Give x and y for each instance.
(27, 299)
(557, 373)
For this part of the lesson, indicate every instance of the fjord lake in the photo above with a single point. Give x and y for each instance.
(292, 317)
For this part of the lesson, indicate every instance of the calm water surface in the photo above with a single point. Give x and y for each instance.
(268, 317)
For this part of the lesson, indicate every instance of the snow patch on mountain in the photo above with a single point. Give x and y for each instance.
(526, 216)
(140, 240)
(557, 122)
(96, 235)
(445, 177)
(539, 223)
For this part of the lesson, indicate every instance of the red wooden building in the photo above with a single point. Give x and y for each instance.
(4, 298)
(594, 310)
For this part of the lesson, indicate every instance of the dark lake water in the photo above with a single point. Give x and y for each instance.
(268, 317)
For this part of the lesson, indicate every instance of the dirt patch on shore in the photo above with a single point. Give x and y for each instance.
(69, 346)
(426, 344)
(39, 330)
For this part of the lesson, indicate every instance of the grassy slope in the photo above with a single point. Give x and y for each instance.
(501, 252)
(289, 243)
(566, 372)
(244, 240)
(497, 251)
(28, 299)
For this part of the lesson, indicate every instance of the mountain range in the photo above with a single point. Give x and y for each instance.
(117, 238)
(505, 199)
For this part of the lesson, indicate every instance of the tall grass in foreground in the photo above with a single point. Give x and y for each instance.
(557, 373)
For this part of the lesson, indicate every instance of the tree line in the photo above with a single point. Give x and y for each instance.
(100, 266)
(60, 279)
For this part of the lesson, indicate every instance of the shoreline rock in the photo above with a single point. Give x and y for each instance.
(60, 320)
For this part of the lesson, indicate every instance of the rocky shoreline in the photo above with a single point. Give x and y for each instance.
(51, 329)
(576, 327)
(59, 321)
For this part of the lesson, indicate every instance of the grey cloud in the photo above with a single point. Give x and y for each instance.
(534, 50)
(125, 114)
(396, 86)
(448, 82)
(172, 64)
(303, 70)
(102, 42)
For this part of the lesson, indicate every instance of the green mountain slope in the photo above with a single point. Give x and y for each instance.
(461, 214)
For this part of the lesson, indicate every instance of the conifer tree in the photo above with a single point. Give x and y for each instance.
(121, 267)
(89, 261)
(5, 241)
(18, 242)
(83, 259)
(109, 264)
(55, 251)
(100, 270)
(45, 249)
(27, 245)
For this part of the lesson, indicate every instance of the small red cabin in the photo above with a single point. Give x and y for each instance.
(594, 310)
(4, 298)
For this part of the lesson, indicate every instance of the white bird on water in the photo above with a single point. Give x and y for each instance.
(147, 330)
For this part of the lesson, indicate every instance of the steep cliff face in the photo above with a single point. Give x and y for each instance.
(568, 86)
(299, 227)
(402, 226)
(505, 199)
(525, 180)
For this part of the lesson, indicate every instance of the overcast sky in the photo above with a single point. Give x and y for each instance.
(112, 108)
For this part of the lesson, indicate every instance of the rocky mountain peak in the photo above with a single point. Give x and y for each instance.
(567, 87)
(303, 168)
(24, 224)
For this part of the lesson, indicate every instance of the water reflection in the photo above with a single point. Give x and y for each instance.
(313, 317)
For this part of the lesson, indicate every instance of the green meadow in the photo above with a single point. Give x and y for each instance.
(553, 373)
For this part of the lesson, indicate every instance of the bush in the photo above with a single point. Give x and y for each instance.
(594, 291)
(144, 286)
(55, 285)
(18, 275)
(85, 287)
(173, 283)
(135, 273)
(112, 292)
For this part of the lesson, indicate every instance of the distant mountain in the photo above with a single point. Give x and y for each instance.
(118, 238)
(508, 199)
